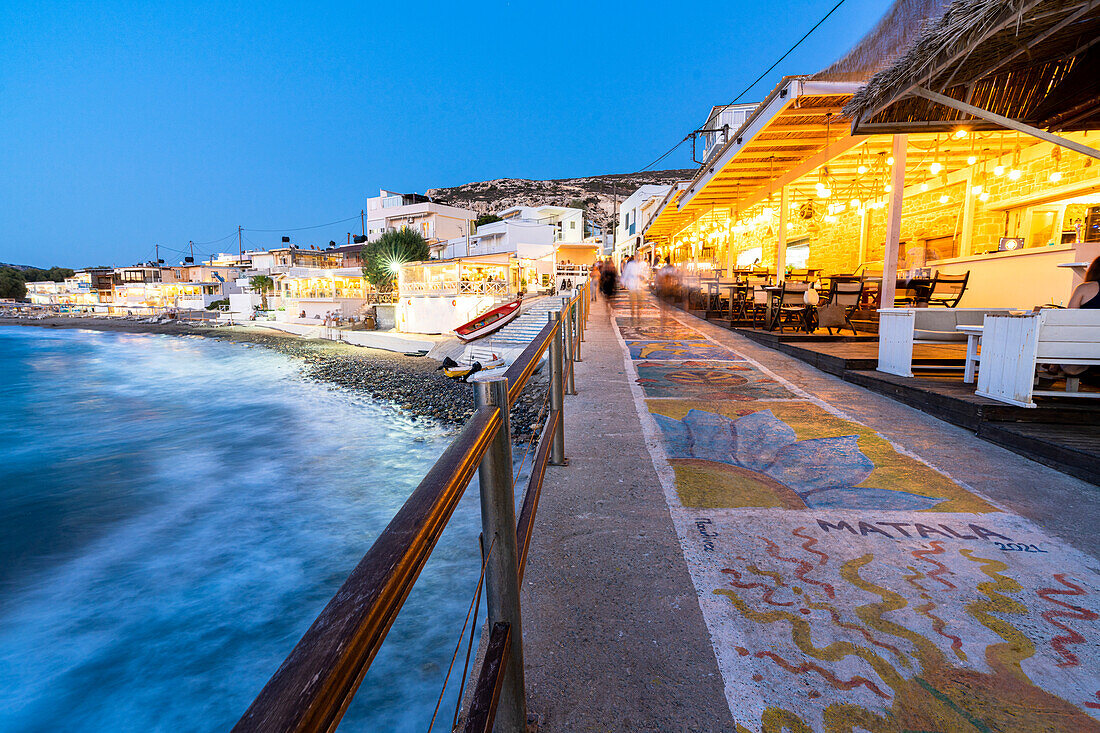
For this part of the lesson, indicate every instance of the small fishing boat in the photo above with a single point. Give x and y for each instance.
(454, 370)
(489, 321)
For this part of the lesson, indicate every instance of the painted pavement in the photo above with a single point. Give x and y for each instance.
(847, 584)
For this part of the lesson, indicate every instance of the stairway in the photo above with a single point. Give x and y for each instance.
(524, 329)
(510, 340)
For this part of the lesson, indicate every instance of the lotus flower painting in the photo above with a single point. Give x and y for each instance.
(765, 461)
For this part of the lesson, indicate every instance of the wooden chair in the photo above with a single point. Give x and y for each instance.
(947, 290)
(758, 305)
(847, 294)
(789, 305)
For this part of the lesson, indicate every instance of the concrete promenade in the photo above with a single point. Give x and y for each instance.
(744, 543)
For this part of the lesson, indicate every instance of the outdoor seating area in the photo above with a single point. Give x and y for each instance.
(807, 301)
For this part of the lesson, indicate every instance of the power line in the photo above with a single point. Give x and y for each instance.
(301, 229)
(754, 83)
(215, 241)
(785, 55)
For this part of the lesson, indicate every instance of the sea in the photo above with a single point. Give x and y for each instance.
(176, 511)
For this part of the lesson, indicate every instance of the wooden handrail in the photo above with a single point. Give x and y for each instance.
(312, 688)
(525, 524)
(486, 694)
(528, 360)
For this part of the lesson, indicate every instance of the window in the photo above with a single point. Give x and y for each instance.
(572, 225)
(1059, 222)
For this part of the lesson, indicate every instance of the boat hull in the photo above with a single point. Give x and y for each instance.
(488, 322)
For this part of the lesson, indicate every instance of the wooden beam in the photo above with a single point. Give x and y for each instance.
(781, 244)
(888, 287)
(1005, 122)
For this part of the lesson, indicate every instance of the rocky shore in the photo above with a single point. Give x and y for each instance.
(412, 384)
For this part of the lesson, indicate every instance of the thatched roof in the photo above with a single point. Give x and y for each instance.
(1030, 60)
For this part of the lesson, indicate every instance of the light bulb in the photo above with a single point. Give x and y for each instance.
(819, 185)
(984, 196)
(790, 226)
(887, 188)
(1014, 174)
(1055, 177)
(855, 203)
(976, 189)
(830, 219)
(936, 168)
(824, 193)
(766, 212)
(999, 170)
(924, 187)
(862, 169)
(961, 132)
(890, 160)
(972, 160)
(943, 199)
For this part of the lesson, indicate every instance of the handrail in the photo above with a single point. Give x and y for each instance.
(525, 524)
(314, 685)
(528, 360)
(486, 694)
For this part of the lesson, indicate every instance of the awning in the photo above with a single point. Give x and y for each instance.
(1034, 62)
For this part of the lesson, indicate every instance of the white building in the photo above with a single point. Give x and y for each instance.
(722, 122)
(512, 236)
(634, 214)
(568, 223)
(389, 211)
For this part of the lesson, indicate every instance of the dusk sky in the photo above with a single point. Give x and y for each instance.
(124, 125)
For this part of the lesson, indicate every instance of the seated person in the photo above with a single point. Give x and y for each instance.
(1086, 295)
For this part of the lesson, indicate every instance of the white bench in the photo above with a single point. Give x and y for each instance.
(1012, 345)
(900, 328)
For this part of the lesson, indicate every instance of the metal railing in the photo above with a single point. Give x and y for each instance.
(313, 687)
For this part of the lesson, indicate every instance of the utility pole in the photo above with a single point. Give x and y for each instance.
(363, 220)
(240, 247)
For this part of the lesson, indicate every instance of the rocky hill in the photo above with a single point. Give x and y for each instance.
(595, 194)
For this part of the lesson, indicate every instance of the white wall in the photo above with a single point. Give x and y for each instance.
(439, 314)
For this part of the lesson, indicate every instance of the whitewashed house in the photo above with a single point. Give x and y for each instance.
(634, 213)
(390, 211)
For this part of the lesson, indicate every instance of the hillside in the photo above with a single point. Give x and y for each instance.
(596, 193)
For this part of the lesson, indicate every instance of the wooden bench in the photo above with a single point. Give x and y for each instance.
(1012, 346)
(900, 328)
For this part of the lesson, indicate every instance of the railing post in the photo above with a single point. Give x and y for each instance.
(498, 526)
(557, 398)
(578, 328)
(567, 335)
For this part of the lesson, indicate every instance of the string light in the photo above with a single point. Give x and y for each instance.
(961, 132)
(936, 167)
(971, 160)
(944, 199)
(890, 160)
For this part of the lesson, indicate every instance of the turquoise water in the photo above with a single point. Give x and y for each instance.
(174, 512)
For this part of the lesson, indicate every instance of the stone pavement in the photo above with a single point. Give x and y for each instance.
(825, 558)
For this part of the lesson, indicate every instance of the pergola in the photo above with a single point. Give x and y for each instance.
(971, 88)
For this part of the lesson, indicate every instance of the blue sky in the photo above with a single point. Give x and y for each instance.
(123, 125)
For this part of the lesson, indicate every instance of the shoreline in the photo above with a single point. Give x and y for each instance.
(409, 383)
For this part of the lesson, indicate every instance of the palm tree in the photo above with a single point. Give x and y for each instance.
(263, 284)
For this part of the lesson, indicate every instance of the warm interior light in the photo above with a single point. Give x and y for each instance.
(961, 132)
(943, 199)
(890, 160)
(855, 203)
(830, 219)
(999, 170)
(862, 169)
(983, 196)
(971, 160)
(936, 167)
(1055, 177)
(888, 188)
(924, 187)
(819, 185)
(824, 193)
(976, 189)
(766, 212)
(1014, 174)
